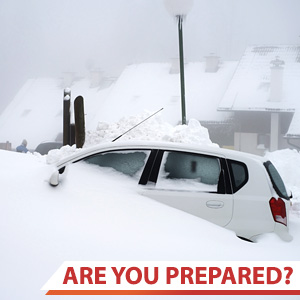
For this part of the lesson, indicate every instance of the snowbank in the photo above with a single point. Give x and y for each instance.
(65, 223)
(154, 129)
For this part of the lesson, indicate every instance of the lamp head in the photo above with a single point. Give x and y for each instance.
(178, 7)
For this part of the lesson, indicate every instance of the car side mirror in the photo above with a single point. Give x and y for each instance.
(54, 179)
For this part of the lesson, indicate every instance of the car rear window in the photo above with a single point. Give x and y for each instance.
(239, 174)
(276, 180)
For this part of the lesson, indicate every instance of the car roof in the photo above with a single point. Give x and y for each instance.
(127, 145)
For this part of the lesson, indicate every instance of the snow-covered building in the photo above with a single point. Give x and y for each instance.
(264, 95)
(36, 111)
(251, 105)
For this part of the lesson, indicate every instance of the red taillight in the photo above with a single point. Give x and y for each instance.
(278, 210)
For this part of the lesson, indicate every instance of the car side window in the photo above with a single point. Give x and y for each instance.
(188, 171)
(239, 174)
(128, 162)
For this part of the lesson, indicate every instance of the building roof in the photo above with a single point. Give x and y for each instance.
(249, 89)
(151, 86)
(36, 111)
(294, 128)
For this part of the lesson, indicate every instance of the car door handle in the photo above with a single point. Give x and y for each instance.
(214, 204)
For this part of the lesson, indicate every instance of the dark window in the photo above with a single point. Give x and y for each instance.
(127, 162)
(276, 180)
(187, 171)
(239, 174)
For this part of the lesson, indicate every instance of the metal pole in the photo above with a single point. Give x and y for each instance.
(181, 60)
(66, 117)
(79, 122)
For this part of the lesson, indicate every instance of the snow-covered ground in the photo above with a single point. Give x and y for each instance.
(96, 215)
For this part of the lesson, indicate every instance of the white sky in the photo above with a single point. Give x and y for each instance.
(45, 38)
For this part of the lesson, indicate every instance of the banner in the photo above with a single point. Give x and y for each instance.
(175, 278)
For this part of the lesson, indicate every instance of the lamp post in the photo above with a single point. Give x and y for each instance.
(179, 9)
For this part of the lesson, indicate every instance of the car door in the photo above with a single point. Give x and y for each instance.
(195, 183)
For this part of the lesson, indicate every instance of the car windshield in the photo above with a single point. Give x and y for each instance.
(276, 179)
(127, 162)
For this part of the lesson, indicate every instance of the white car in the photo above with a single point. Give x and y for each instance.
(235, 190)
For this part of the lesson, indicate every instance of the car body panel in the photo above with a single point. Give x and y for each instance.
(207, 206)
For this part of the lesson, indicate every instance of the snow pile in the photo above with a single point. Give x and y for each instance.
(154, 129)
(287, 162)
(58, 154)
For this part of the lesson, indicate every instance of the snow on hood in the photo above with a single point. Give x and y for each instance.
(154, 129)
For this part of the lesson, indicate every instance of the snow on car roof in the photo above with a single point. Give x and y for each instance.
(209, 150)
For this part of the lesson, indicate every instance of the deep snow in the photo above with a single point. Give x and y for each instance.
(98, 215)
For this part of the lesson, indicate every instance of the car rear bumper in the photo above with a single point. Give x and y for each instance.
(283, 232)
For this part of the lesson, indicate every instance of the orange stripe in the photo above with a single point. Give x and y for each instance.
(173, 292)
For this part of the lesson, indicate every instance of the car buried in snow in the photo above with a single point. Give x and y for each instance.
(235, 190)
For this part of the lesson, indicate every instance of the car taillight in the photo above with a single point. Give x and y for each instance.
(278, 210)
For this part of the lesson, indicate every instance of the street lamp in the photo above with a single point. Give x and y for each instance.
(179, 9)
